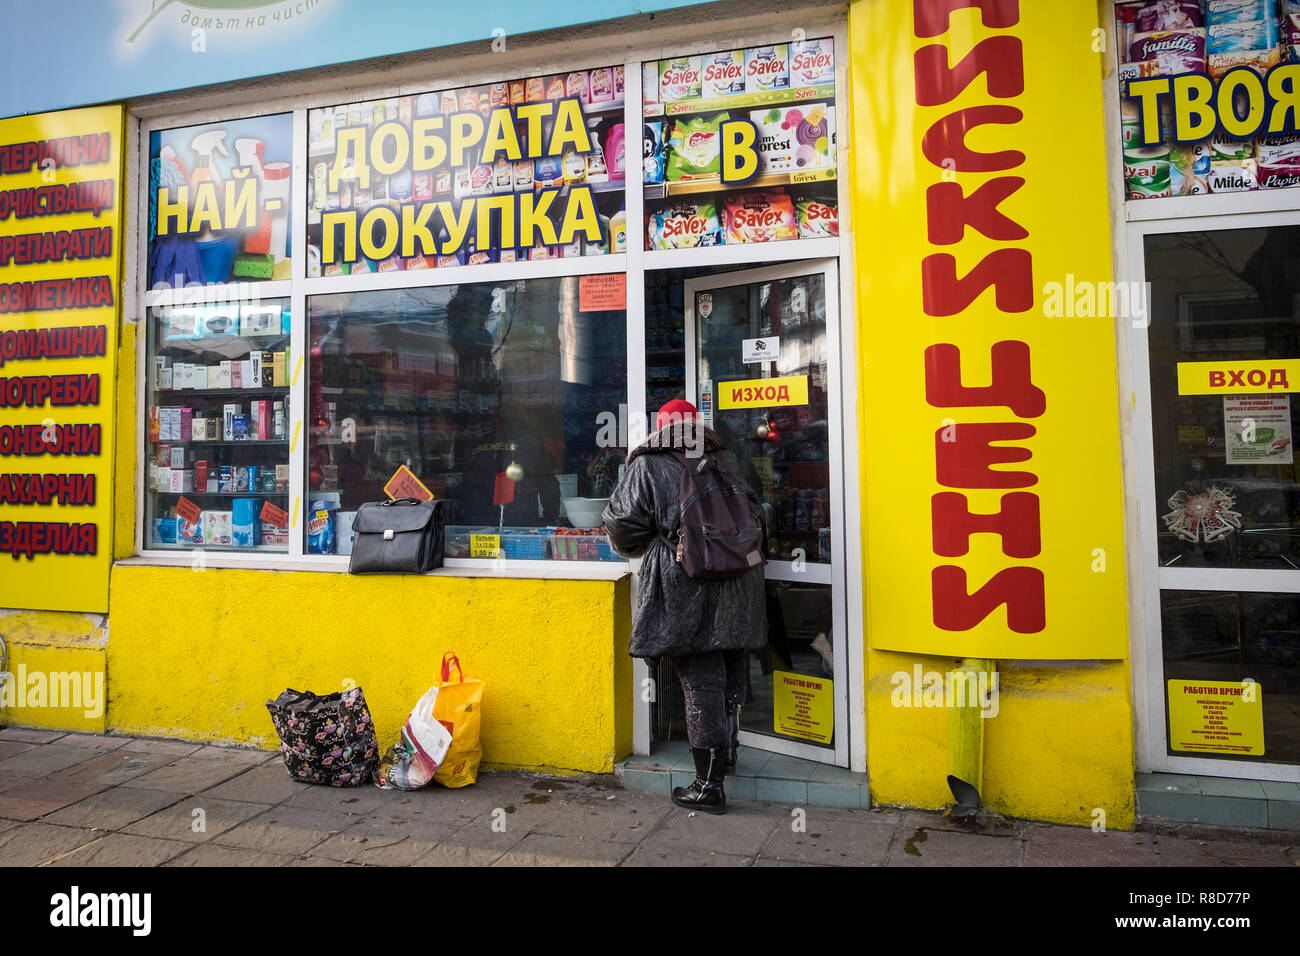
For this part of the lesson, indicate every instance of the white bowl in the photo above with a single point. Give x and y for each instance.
(585, 512)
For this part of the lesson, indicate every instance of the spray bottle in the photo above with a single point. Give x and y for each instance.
(204, 171)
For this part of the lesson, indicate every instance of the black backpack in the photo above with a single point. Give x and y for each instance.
(720, 532)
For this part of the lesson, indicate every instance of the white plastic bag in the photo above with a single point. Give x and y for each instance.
(411, 762)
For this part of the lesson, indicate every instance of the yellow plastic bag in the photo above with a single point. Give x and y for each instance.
(458, 708)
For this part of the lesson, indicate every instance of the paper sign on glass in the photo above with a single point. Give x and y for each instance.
(404, 484)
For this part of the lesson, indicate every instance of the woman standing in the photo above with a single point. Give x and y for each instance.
(706, 627)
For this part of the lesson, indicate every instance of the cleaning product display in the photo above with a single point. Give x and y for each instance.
(396, 184)
(787, 92)
(217, 451)
(215, 217)
(1211, 38)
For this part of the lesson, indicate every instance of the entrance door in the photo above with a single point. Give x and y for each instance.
(762, 353)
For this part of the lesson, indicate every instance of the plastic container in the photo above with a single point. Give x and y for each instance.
(615, 155)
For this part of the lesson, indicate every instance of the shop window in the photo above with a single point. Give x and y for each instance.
(525, 169)
(217, 449)
(786, 93)
(1193, 47)
(1224, 334)
(502, 399)
(1232, 675)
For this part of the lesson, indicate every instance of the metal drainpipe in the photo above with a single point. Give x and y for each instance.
(966, 737)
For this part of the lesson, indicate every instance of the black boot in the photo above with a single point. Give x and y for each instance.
(706, 792)
(730, 752)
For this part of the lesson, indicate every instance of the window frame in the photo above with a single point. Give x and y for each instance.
(1132, 222)
(633, 263)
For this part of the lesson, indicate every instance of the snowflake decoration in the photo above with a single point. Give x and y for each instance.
(1207, 516)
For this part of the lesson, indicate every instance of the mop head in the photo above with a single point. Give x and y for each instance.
(254, 267)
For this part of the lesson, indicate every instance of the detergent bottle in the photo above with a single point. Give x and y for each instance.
(251, 152)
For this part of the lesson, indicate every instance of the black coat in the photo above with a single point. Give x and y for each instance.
(676, 614)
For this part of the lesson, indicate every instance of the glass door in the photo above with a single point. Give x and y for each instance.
(762, 353)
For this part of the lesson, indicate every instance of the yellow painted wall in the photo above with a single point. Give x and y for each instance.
(52, 643)
(197, 654)
(1062, 742)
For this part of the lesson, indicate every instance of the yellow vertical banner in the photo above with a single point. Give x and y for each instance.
(993, 491)
(60, 282)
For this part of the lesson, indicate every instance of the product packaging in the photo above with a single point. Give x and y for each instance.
(320, 529)
(695, 148)
(817, 220)
(1233, 176)
(652, 152)
(245, 524)
(792, 138)
(601, 86)
(759, 217)
(722, 74)
(1169, 15)
(1242, 36)
(1235, 11)
(1173, 52)
(679, 79)
(216, 527)
(685, 225)
(812, 63)
(767, 68)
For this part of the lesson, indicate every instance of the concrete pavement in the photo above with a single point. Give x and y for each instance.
(79, 800)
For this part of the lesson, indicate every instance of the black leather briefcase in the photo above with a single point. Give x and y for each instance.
(401, 536)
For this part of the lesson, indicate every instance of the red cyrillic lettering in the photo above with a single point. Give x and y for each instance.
(950, 211)
(1002, 58)
(1011, 385)
(952, 524)
(1009, 271)
(1020, 589)
(965, 460)
(931, 16)
(944, 143)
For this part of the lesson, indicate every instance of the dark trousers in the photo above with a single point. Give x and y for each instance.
(710, 683)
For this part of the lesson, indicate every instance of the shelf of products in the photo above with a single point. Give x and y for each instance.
(787, 91)
(217, 450)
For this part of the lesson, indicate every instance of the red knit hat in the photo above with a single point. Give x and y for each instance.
(678, 410)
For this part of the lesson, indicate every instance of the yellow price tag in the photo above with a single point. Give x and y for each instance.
(484, 545)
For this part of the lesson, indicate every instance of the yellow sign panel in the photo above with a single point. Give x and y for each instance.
(764, 392)
(484, 545)
(1217, 718)
(978, 396)
(1238, 378)
(60, 275)
(803, 706)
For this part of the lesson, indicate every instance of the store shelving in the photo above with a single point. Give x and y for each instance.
(739, 101)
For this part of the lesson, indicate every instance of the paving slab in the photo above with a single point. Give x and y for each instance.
(97, 741)
(646, 855)
(840, 837)
(9, 748)
(937, 847)
(153, 745)
(111, 767)
(366, 798)
(281, 830)
(741, 831)
(207, 854)
(1170, 850)
(394, 850)
(114, 809)
(539, 849)
(31, 736)
(122, 849)
(1081, 846)
(198, 771)
(180, 822)
(627, 818)
(33, 799)
(33, 843)
(44, 760)
(264, 783)
(475, 844)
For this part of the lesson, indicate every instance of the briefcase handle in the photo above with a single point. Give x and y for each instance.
(399, 501)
